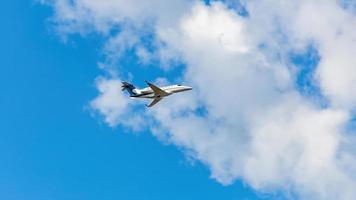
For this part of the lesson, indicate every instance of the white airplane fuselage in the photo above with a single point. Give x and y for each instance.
(147, 92)
(153, 92)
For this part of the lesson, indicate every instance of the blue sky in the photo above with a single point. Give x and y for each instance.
(51, 147)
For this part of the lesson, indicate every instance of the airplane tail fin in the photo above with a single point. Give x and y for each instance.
(131, 89)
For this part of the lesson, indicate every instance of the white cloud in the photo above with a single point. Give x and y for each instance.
(255, 125)
(114, 105)
(92, 15)
(330, 27)
(111, 102)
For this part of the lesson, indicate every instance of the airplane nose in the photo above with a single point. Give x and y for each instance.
(189, 88)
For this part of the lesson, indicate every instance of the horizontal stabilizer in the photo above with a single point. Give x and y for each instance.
(128, 87)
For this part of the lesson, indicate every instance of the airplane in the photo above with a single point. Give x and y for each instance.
(152, 91)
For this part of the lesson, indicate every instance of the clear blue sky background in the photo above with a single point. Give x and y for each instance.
(51, 148)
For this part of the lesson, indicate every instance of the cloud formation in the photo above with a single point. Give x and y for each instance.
(245, 118)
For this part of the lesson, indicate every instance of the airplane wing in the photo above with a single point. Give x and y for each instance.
(158, 91)
(156, 100)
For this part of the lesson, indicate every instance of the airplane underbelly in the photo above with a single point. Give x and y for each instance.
(146, 96)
